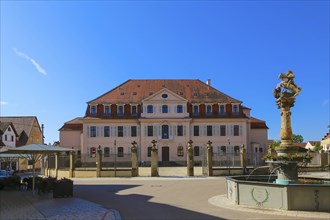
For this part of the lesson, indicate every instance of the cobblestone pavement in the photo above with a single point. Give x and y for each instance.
(23, 205)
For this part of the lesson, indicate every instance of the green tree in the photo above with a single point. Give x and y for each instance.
(317, 147)
(297, 138)
(274, 144)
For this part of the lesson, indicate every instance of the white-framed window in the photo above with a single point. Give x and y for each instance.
(179, 108)
(150, 109)
(120, 152)
(222, 109)
(106, 131)
(107, 152)
(209, 130)
(180, 130)
(195, 110)
(164, 108)
(120, 110)
(107, 110)
(93, 110)
(235, 109)
(134, 110)
(222, 130)
(236, 130)
(209, 110)
(92, 131)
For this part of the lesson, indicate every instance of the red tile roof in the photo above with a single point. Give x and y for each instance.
(134, 91)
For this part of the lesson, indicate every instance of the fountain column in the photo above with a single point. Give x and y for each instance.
(285, 94)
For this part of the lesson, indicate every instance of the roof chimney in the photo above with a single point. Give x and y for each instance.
(208, 82)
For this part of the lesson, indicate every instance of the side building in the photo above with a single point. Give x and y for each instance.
(28, 131)
(172, 112)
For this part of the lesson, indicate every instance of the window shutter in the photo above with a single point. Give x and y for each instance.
(176, 130)
(170, 130)
(184, 109)
(88, 135)
(102, 131)
(154, 130)
(204, 130)
(124, 131)
(160, 109)
(169, 108)
(115, 131)
(240, 130)
(184, 130)
(98, 131)
(145, 131)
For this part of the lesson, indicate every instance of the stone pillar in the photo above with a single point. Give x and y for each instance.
(57, 161)
(209, 158)
(190, 159)
(323, 158)
(72, 165)
(243, 158)
(154, 159)
(99, 162)
(134, 159)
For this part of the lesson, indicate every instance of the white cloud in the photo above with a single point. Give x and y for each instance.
(325, 102)
(3, 103)
(36, 65)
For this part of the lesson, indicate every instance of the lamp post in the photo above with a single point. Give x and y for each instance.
(228, 156)
(114, 143)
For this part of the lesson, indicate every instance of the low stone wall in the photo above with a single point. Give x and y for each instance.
(261, 194)
(89, 173)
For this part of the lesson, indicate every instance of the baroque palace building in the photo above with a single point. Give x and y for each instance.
(172, 112)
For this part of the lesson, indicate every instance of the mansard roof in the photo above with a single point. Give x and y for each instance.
(258, 124)
(134, 91)
(75, 124)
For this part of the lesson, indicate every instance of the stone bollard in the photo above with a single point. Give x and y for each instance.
(134, 159)
(243, 158)
(209, 159)
(154, 159)
(57, 162)
(190, 159)
(98, 162)
(72, 165)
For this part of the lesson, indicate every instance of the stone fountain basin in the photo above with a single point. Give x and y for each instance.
(258, 192)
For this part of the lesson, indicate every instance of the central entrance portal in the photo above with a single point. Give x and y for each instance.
(165, 155)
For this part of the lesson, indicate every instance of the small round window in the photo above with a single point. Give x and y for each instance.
(164, 96)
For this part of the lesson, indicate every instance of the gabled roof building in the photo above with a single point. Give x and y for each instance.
(172, 112)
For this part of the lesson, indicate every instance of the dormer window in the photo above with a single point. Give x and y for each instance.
(209, 110)
(134, 110)
(107, 110)
(222, 110)
(93, 110)
(120, 110)
(235, 109)
(195, 110)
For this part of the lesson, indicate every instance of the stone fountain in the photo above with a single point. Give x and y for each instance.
(282, 191)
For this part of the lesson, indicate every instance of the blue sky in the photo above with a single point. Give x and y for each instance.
(57, 55)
